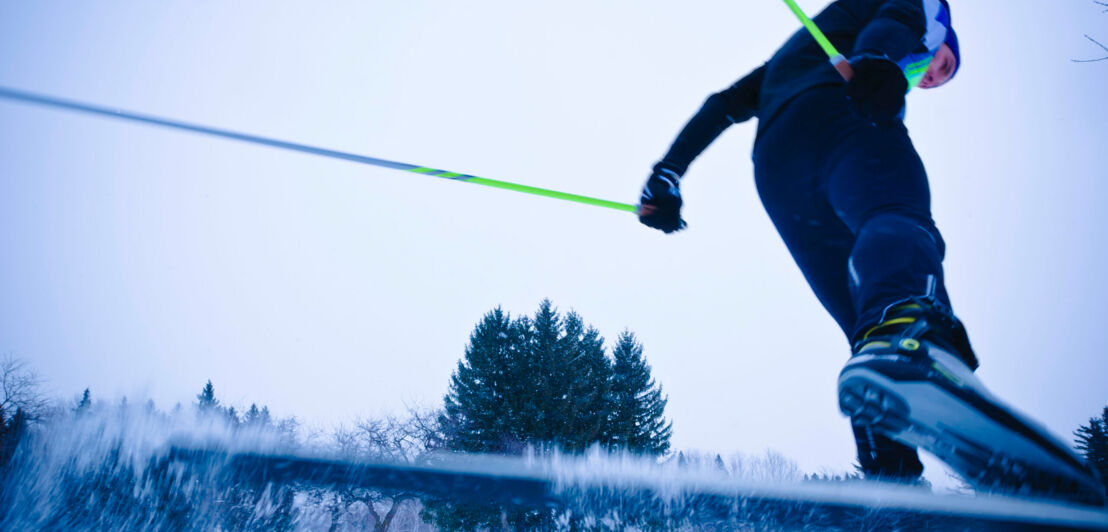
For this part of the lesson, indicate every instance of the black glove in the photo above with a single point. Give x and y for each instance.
(876, 92)
(660, 204)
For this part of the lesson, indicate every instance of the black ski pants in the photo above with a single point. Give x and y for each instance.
(852, 203)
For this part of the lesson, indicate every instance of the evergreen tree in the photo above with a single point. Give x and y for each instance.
(484, 390)
(206, 401)
(529, 381)
(539, 365)
(11, 433)
(1092, 441)
(257, 418)
(85, 403)
(232, 417)
(583, 375)
(636, 423)
(541, 381)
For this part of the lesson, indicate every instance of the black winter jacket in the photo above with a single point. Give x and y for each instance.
(892, 28)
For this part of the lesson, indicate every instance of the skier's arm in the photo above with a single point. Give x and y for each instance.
(737, 103)
(895, 30)
(660, 203)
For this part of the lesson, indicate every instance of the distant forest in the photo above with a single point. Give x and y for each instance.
(543, 383)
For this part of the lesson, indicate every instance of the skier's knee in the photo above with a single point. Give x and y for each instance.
(903, 227)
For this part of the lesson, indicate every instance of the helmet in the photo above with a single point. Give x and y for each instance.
(951, 38)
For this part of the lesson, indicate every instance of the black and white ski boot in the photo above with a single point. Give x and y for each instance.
(911, 379)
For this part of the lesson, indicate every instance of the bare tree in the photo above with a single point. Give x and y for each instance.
(397, 439)
(21, 402)
(1105, 48)
(21, 390)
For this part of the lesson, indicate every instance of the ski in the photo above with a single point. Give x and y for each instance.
(697, 497)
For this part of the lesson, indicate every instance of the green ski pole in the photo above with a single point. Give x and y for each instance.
(837, 59)
(48, 101)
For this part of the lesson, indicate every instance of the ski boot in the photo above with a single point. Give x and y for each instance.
(911, 379)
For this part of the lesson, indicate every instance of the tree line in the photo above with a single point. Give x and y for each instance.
(535, 383)
(542, 383)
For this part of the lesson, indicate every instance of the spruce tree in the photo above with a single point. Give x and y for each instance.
(257, 418)
(1092, 441)
(584, 374)
(546, 380)
(483, 412)
(11, 433)
(541, 381)
(484, 396)
(232, 417)
(85, 403)
(636, 423)
(538, 364)
(206, 401)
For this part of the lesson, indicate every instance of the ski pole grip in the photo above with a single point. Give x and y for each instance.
(843, 66)
(837, 60)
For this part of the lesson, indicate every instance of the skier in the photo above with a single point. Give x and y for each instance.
(846, 190)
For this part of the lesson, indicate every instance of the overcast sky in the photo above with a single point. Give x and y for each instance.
(142, 261)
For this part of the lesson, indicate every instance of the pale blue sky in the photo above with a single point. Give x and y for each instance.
(137, 260)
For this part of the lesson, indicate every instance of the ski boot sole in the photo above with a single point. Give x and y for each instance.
(1000, 460)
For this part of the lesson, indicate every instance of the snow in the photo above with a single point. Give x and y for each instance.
(113, 468)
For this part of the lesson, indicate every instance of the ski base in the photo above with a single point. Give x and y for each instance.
(1008, 456)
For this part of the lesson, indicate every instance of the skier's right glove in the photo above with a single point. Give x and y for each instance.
(876, 92)
(660, 204)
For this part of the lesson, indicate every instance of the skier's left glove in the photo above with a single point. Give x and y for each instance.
(660, 204)
(876, 92)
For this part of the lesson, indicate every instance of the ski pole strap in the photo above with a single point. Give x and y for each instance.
(837, 59)
(49, 101)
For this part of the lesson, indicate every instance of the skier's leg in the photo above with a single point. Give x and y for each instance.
(789, 171)
(911, 378)
(879, 189)
(817, 240)
(882, 457)
(786, 172)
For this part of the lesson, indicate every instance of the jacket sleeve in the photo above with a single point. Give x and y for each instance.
(895, 30)
(737, 103)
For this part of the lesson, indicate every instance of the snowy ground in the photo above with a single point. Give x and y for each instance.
(112, 469)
